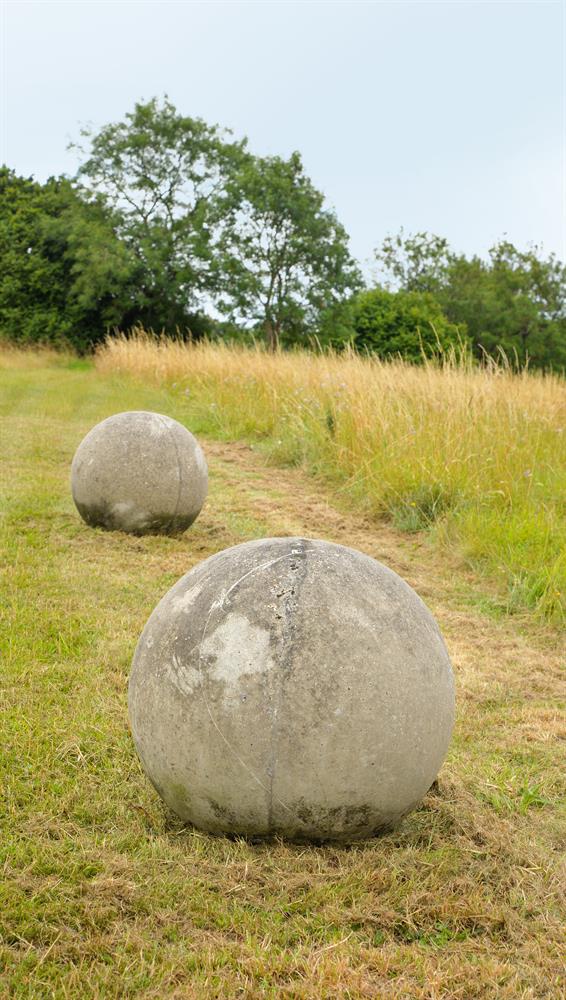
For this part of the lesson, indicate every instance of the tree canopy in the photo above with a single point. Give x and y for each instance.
(34, 277)
(64, 271)
(161, 173)
(282, 256)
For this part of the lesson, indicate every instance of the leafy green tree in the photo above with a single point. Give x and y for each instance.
(416, 263)
(282, 257)
(410, 324)
(335, 324)
(34, 274)
(514, 302)
(106, 272)
(523, 301)
(64, 275)
(160, 173)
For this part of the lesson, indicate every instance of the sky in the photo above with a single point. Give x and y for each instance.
(441, 116)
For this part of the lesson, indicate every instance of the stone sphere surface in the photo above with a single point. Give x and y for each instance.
(291, 687)
(139, 472)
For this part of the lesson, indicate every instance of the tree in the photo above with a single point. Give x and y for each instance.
(106, 272)
(282, 257)
(410, 324)
(34, 275)
(416, 263)
(64, 275)
(160, 173)
(526, 299)
(515, 301)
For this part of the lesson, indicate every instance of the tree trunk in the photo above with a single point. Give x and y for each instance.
(271, 336)
(524, 333)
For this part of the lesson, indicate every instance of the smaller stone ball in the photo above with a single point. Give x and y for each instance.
(139, 472)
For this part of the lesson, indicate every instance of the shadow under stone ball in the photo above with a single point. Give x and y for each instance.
(139, 472)
(291, 687)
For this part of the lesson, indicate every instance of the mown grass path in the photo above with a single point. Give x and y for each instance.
(105, 895)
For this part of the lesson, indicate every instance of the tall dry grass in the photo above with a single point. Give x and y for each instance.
(34, 356)
(476, 454)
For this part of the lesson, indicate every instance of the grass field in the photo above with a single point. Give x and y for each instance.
(477, 457)
(105, 895)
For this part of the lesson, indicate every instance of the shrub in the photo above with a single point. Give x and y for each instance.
(406, 324)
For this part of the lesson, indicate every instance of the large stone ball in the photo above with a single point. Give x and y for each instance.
(139, 472)
(293, 687)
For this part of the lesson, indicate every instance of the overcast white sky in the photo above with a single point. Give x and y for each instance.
(446, 116)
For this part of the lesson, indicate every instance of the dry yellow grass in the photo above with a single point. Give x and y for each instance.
(478, 455)
(29, 358)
